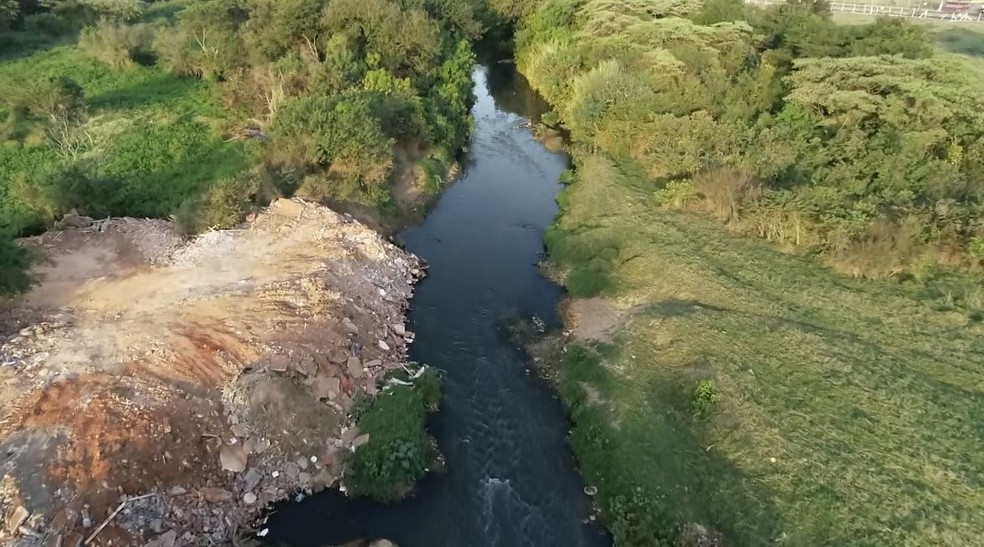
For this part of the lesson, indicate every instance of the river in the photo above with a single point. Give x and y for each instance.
(511, 479)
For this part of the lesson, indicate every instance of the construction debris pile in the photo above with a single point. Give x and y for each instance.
(155, 390)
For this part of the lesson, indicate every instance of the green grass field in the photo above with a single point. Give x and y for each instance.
(849, 410)
(159, 136)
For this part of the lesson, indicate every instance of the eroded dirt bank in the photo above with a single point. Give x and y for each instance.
(196, 382)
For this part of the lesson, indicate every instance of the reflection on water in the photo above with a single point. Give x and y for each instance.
(511, 479)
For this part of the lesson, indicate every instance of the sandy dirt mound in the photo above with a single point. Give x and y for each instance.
(174, 389)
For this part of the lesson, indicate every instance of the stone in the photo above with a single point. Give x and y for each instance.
(383, 543)
(360, 440)
(383, 345)
(354, 367)
(279, 363)
(249, 498)
(252, 479)
(349, 326)
(239, 430)
(177, 491)
(326, 388)
(167, 539)
(16, 518)
(233, 457)
(215, 495)
(338, 357)
(399, 329)
(304, 478)
(373, 363)
(302, 462)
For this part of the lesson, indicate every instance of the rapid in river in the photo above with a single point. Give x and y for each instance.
(511, 478)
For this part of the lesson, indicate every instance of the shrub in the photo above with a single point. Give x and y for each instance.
(429, 388)
(676, 194)
(726, 190)
(14, 264)
(704, 397)
(224, 204)
(47, 24)
(118, 44)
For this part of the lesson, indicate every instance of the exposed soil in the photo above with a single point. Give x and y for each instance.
(190, 383)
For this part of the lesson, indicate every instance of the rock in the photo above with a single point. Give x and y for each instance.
(233, 457)
(360, 440)
(326, 388)
(338, 357)
(383, 345)
(302, 462)
(54, 540)
(373, 364)
(350, 434)
(304, 479)
(249, 498)
(16, 518)
(239, 430)
(399, 329)
(354, 367)
(279, 363)
(177, 491)
(252, 479)
(349, 326)
(215, 495)
(383, 543)
(167, 539)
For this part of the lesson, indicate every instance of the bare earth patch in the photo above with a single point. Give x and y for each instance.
(592, 318)
(190, 384)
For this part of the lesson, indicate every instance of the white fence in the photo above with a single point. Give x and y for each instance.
(888, 11)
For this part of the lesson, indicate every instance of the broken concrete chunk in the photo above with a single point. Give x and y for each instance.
(249, 498)
(383, 345)
(279, 363)
(233, 457)
(399, 329)
(360, 440)
(215, 495)
(252, 479)
(349, 326)
(167, 539)
(354, 367)
(239, 430)
(338, 357)
(16, 518)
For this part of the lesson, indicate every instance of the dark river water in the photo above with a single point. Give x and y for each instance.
(510, 477)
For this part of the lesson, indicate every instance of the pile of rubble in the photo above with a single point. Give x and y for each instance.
(166, 392)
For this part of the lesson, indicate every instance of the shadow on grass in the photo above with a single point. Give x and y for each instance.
(651, 464)
(20, 45)
(961, 40)
(159, 88)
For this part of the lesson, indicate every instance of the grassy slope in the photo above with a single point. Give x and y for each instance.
(867, 398)
(160, 135)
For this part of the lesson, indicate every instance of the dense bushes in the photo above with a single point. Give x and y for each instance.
(869, 149)
(318, 91)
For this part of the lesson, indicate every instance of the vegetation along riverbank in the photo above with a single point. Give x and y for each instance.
(772, 242)
(205, 109)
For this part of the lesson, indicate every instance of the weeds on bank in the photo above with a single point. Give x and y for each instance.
(398, 450)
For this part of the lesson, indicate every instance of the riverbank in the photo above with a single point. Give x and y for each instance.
(828, 392)
(193, 383)
(724, 389)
